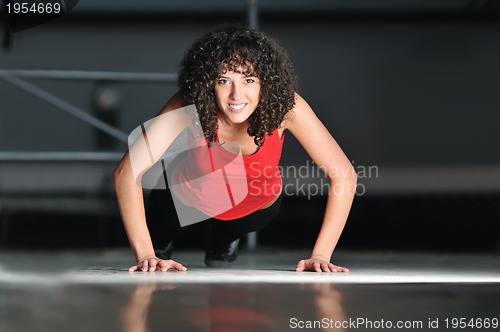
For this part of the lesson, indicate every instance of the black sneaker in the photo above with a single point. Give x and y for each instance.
(222, 257)
(166, 252)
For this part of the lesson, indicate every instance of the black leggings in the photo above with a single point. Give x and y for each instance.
(164, 225)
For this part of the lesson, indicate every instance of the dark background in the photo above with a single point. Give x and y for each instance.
(411, 91)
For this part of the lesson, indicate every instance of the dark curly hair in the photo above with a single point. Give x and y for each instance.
(231, 47)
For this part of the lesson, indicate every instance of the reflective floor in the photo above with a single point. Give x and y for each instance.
(92, 291)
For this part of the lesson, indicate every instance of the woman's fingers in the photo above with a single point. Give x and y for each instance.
(145, 265)
(342, 269)
(152, 265)
(301, 265)
(318, 266)
(156, 264)
(171, 264)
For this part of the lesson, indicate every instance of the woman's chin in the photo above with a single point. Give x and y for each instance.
(237, 118)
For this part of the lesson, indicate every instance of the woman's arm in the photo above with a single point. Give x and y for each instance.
(131, 205)
(329, 157)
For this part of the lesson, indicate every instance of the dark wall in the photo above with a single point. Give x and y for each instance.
(402, 91)
(394, 91)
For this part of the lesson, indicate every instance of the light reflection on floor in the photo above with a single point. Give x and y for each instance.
(94, 292)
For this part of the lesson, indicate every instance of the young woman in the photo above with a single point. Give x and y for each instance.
(243, 86)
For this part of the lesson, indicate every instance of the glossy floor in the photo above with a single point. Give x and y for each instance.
(92, 291)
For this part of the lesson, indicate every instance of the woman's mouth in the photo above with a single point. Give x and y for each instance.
(237, 107)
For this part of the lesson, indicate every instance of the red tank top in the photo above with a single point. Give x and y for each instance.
(226, 186)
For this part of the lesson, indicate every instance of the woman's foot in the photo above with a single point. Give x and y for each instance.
(221, 256)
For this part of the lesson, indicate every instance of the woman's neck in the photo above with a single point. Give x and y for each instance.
(231, 127)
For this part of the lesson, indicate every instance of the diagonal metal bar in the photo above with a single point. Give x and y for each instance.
(66, 107)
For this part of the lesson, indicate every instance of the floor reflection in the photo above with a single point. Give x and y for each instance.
(85, 295)
(329, 311)
(133, 316)
(152, 306)
(237, 308)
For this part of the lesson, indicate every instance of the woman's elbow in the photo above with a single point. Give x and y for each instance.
(348, 179)
(352, 176)
(345, 175)
(344, 182)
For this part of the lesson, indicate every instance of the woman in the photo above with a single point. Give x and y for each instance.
(244, 88)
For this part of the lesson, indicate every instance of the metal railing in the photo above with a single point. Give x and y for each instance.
(14, 77)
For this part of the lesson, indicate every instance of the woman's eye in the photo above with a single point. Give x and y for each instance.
(249, 80)
(222, 81)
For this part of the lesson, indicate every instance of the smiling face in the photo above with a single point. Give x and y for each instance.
(237, 95)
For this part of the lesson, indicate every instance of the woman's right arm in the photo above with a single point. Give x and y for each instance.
(131, 205)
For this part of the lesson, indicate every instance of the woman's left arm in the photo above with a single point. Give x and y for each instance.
(329, 157)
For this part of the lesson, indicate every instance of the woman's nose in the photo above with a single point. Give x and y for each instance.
(236, 91)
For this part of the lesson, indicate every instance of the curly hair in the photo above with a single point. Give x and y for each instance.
(229, 48)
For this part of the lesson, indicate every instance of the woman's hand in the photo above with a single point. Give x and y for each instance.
(152, 263)
(318, 265)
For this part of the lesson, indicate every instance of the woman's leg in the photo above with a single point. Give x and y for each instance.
(225, 234)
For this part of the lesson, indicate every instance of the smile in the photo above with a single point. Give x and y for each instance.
(237, 107)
